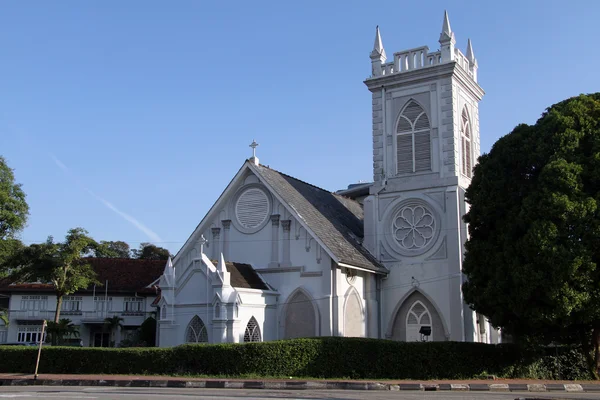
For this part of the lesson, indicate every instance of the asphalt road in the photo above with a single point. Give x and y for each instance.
(105, 393)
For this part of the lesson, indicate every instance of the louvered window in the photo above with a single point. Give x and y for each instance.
(252, 208)
(413, 140)
(252, 333)
(467, 166)
(196, 331)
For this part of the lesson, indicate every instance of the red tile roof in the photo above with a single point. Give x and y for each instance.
(124, 275)
(156, 300)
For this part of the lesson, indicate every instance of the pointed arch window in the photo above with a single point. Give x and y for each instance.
(252, 333)
(413, 140)
(418, 316)
(196, 331)
(163, 312)
(466, 136)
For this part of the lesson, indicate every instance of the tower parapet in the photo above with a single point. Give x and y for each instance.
(420, 57)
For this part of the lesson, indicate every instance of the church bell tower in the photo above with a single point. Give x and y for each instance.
(425, 141)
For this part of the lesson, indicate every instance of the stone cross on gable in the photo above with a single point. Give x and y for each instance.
(254, 145)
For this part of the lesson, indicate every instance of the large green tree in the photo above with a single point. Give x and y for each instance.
(112, 249)
(149, 251)
(534, 223)
(13, 212)
(61, 264)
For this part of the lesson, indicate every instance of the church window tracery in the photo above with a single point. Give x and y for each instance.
(413, 147)
(196, 331)
(417, 317)
(252, 333)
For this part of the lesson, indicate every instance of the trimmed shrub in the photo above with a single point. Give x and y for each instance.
(328, 357)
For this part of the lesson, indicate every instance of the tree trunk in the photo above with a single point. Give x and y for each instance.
(59, 299)
(596, 344)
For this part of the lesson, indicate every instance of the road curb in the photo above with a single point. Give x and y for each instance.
(308, 385)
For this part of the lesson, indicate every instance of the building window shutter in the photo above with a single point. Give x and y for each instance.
(413, 140)
(405, 154)
(422, 152)
(468, 150)
(465, 131)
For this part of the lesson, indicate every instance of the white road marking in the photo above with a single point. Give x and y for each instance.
(46, 395)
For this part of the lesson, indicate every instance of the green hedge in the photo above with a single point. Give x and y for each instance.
(330, 357)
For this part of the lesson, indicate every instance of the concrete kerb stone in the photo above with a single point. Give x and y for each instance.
(410, 386)
(480, 387)
(590, 387)
(304, 385)
(553, 387)
(536, 387)
(195, 384)
(573, 387)
(518, 387)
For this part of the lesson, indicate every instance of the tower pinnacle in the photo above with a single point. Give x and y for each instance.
(447, 40)
(470, 54)
(378, 50)
(378, 56)
(446, 26)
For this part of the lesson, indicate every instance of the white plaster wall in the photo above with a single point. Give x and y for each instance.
(344, 289)
(435, 272)
(318, 287)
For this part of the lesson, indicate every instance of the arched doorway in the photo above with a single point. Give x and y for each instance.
(354, 321)
(300, 316)
(414, 312)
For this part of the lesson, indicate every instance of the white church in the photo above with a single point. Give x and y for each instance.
(276, 257)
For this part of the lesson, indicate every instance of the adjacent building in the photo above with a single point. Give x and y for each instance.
(127, 289)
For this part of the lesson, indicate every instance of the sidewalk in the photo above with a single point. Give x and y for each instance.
(503, 385)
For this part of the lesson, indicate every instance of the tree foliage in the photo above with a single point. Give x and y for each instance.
(147, 334)
(60, 264)
(149, 251)
(60, 330)
(113, 324)
(13, 207)
(112, 249)
(534, 223)
(14, 211)
(4, 317)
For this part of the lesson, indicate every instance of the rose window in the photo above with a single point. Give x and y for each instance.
(413, 227)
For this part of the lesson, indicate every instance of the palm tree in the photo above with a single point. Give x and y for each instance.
(4, 317)
(112, 324)
(58, 331)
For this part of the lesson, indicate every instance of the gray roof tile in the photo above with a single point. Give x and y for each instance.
(336, 220)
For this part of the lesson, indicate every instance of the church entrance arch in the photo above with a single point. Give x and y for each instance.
(418, 319)
(416, 312)
(300, 316)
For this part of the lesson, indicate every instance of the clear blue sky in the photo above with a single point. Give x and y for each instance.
(150, 105)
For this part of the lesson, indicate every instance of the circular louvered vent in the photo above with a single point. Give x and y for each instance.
(252, 208)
